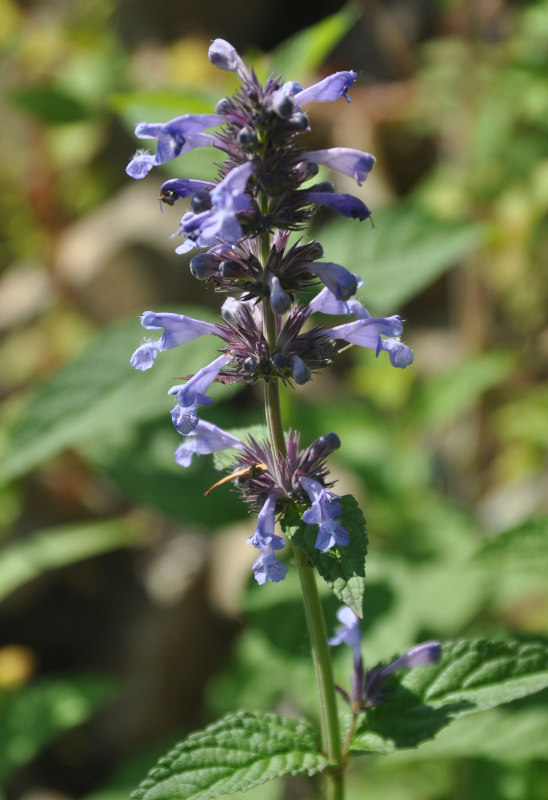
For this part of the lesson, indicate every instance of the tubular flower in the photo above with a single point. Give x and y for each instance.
(267, 566)
(177, 328)
(192, 394)
(204, 438)
(179, 135)
(354, 163)
(324, 512)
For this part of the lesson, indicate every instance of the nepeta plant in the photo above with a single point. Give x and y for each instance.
(274, 331)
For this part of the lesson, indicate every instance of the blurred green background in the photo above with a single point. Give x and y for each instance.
(128, 617)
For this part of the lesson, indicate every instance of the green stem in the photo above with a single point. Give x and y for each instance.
(331, 737)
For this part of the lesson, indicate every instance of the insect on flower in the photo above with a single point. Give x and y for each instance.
(248, 472)
(168, 196)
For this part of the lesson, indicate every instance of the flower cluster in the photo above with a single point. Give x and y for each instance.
(368, 687)
(240, 226)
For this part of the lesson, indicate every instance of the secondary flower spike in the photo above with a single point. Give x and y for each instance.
(368, 688)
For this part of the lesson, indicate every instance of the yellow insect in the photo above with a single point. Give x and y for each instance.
(248, 472)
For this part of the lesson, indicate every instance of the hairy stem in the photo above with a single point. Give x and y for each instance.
(331, 737)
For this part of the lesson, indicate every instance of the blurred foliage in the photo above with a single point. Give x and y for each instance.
(447, 459)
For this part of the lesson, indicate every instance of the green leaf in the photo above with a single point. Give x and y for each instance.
(305, 51)
(445, 395)
(224, 458)
(343, 568)
(236, 753)
(402, 255)
(100, 393)
(34, 715)
(140, 460)
(51, 104)
(524, 547)
(471, 676)
(25, 559)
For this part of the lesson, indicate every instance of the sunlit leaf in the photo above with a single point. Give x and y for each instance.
(472, 676)
(236, 753)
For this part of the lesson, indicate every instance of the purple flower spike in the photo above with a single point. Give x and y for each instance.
(323, 513)
(348, 632)
(179, 135)
(340, 281)
(192, 394)
(264, 534)
(354, 163)
(331, 88)
(345, 204)
(205, 438)
(178, 329)
(224, 56)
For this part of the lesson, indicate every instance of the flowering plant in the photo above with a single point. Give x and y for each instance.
(240, 231)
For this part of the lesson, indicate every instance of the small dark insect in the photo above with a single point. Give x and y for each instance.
(248, 472)
(168, 196)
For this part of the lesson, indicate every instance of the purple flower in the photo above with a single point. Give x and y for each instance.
(323, 513)
(219, 223)
(340, 281)
(224, 56)
(178, 329)
(192, 394)
(267, 566)
(327, 90)
(367, 333)
(345, 204)
(264, 533)
(177, 136)
(182, 187)
(205, 438)
(354, 163)
(372, 692)
(327, 303)
(348, 632)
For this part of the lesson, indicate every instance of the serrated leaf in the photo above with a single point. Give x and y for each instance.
(99, 393)
(304, 52)
(236, 753)
(471, 676)
(524, 547)
(25, 559)
(34, 715)
(224, 458)
(403, 254)
(342, 568)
